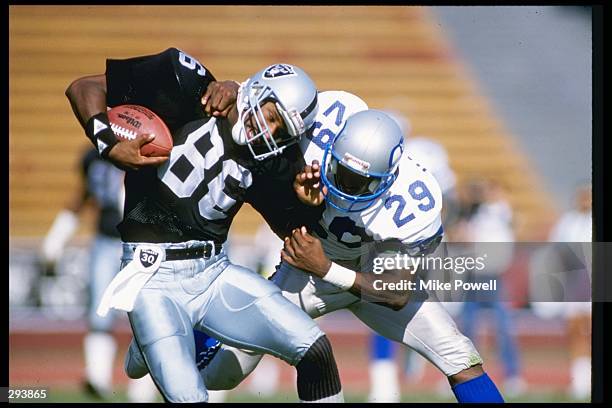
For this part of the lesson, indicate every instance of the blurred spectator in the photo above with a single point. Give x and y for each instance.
(488, 224)
(100, 186)
(576, 226)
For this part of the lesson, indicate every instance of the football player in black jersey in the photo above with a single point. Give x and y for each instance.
(175, 274)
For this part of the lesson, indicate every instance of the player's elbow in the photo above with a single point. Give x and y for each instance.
(399, 300)
(74, 89)
(85, 85)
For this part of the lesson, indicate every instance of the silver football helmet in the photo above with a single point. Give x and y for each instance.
(295, 97)
(362, 161)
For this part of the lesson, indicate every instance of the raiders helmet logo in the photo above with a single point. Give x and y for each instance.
(278, 70)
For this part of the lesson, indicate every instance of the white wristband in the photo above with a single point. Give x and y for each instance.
(340, 276)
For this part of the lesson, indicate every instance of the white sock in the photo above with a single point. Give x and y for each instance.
(384, 384)
(217, 396)
(339, 397)
(142, 390)
(264, 380)
(581, 377)
(100, 349)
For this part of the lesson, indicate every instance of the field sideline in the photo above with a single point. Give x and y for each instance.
(54, 361)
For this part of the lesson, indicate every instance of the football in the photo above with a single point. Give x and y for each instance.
(129, 121)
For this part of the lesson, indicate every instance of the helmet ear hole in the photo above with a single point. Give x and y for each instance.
(396, 154)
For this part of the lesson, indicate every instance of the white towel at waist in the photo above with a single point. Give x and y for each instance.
(122, 290)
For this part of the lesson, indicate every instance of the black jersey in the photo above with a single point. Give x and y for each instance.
(105, 185)
(170, 83)
(198, 191)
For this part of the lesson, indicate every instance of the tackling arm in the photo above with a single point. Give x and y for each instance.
(305, 252)
(382, 288)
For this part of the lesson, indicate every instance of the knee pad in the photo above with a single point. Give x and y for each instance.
(319, 353)
(318, 376)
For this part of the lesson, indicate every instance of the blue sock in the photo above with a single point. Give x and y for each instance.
(479, 389)
(381, 347)
(200, 338)
(205, 348)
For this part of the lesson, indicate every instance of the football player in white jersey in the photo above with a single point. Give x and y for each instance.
(375, 195)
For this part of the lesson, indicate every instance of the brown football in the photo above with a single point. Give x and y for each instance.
(129, 121)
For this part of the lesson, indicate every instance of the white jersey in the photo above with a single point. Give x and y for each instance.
(334, 108)
(409, 212)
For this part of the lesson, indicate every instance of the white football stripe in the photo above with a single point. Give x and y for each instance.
(123, 132)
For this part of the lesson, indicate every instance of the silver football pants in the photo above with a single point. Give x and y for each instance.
(426, 327)
(231, 303)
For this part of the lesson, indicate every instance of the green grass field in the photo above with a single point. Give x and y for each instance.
(76, 396)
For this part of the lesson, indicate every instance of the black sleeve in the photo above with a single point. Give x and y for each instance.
(272, 194)
(170, 83)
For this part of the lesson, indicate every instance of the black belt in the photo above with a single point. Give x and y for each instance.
(205, 251)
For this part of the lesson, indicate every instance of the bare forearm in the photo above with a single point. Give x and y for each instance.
(305, 252)
(387, 289)
(87, 97)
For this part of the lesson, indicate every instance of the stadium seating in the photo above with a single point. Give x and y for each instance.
(393, 57)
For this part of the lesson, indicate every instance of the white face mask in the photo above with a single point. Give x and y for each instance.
(249, 104)
(238, 130)
(238, 134)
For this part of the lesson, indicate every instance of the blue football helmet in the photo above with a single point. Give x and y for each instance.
(361, 163)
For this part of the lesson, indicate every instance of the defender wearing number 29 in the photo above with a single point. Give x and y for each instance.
(379, 200)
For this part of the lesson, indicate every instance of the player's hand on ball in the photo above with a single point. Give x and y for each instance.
(220, 97)
(305, 252)
(126, 154)
(308, 186)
